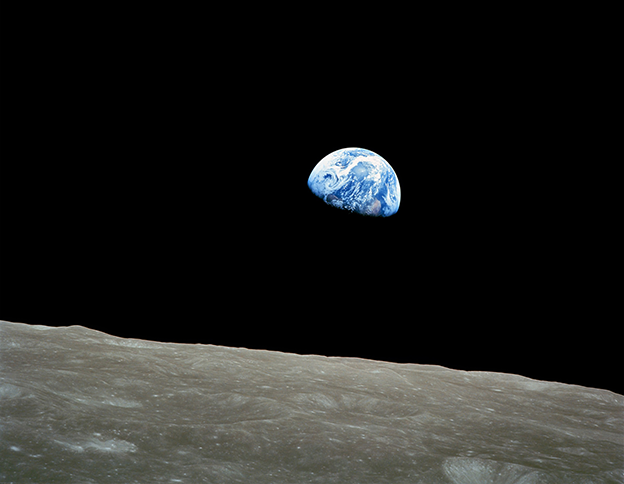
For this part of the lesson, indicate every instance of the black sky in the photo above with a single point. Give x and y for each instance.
(154, 186)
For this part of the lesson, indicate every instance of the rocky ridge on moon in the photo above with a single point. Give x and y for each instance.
(81, 406)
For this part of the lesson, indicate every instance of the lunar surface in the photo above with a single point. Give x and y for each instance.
(81, 406)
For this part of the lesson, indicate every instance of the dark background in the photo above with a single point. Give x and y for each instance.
(154, 185)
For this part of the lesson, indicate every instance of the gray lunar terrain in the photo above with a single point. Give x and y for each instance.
(80, 406)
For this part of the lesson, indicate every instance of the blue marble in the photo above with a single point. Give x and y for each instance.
(357, 180)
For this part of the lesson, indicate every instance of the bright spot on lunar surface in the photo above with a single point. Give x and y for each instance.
(80, 406)
(357, 180)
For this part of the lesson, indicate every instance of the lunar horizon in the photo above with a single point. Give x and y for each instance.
(79, 405)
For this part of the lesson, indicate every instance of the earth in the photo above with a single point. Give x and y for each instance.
(357, 180)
